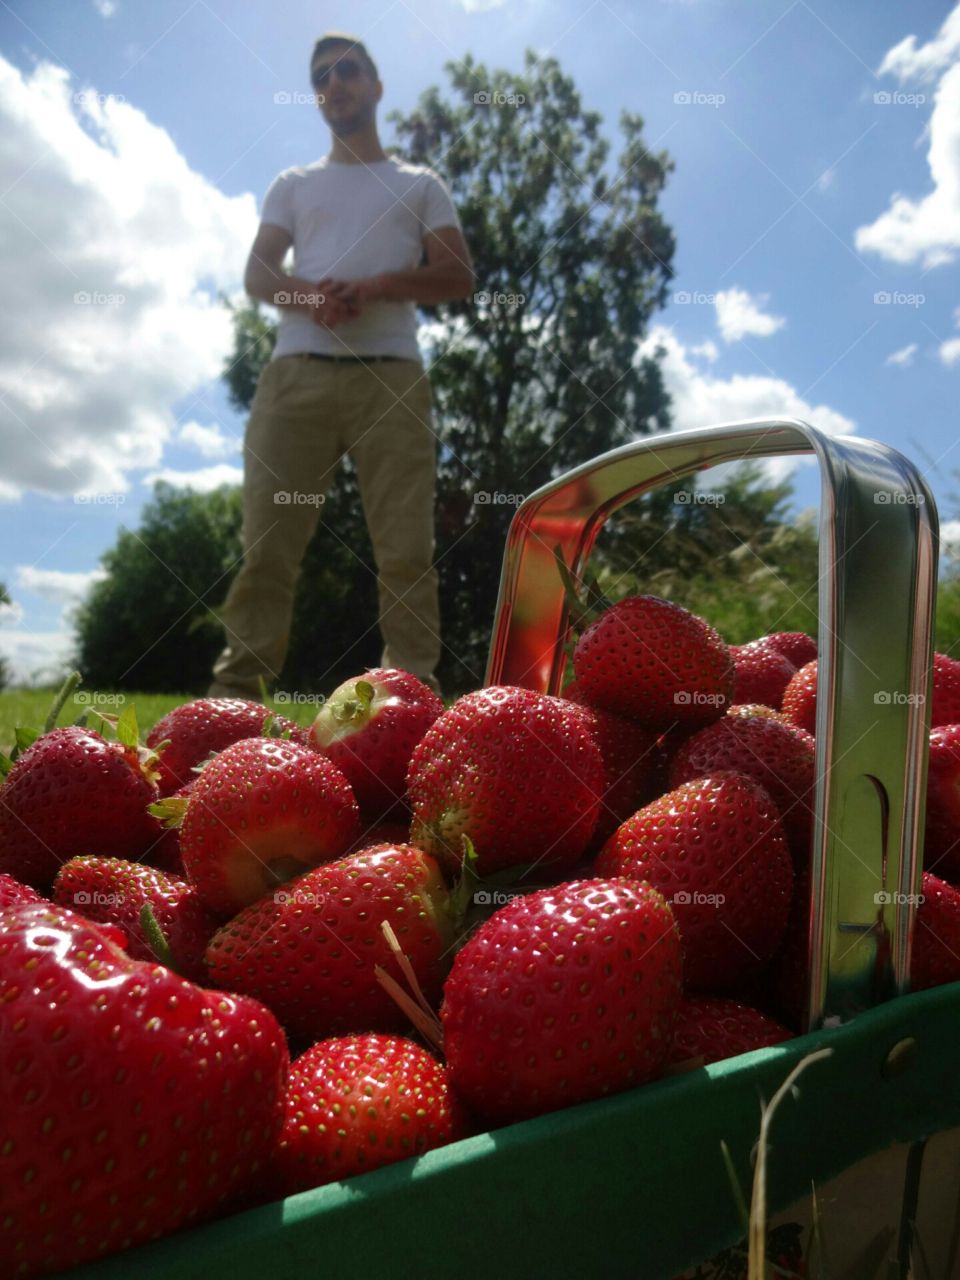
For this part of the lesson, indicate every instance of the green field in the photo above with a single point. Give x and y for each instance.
(29, 707)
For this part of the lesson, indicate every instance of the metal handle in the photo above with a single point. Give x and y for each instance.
(878, 565)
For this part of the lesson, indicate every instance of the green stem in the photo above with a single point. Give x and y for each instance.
(156, 939)
(66, 689)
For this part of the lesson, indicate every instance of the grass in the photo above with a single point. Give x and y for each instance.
(29, 707)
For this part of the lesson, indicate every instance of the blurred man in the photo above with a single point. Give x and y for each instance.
(346, 377)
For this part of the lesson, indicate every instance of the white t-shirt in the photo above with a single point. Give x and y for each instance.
(349, 221)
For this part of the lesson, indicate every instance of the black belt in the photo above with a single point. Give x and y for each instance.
(319, 355)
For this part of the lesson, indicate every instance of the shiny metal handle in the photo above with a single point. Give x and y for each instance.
(878, 565)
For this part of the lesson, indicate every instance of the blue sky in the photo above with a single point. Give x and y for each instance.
(816, 203)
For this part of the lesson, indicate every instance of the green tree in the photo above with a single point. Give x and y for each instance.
(4, 665)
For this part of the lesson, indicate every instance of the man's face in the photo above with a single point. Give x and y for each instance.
(350, 93)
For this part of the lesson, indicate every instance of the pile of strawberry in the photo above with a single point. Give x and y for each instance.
(244, 958)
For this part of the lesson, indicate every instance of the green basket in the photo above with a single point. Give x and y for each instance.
(636, 1185)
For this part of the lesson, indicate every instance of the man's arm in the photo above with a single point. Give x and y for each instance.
(265, 280)
(448, 274)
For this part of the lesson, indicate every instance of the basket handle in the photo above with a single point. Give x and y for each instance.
(878, 564)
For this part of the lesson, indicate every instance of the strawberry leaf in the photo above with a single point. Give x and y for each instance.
(127, 731)
(24, 738)
(155, 938)
(170, 810)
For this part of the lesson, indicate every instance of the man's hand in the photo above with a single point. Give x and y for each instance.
(360, 292)
(336, 305)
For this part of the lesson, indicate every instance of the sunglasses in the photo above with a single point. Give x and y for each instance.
(346, 69)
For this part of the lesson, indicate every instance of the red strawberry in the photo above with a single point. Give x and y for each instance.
(795, 645)
(941, 840)
(762, 673)
(946, 691)
(309, 950)
(165, 853)
(711, 1029)
(358, 1103)
(131, 1102)
(516, 771)
(196, 730)
(716, 850)
(630, 762)
(563, 995)
(369, 727)
(655, 662)
(748, 709)
(114, 891)
(779, 756)
(800, 698)
(263, 811)
(13, 892)
(936, 935)
(71, 792)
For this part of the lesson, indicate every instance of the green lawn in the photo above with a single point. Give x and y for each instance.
(30, 706)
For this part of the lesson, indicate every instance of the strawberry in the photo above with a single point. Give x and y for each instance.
(795, 645)
(131, 1102)
(165, 853)
(630, 763)
(711, 1028)
(936, 935)
(360, 1102)
(114, 891)
(263, 811)
(13, 892)
(196, 730)
(946, 691)
(518, 772)
(388, 831)
(308, 951)
(655, 662)
(779, 756)
(70, 792)
(799, 703)
(941, 840)
(762, 673)
(716, 850)
(563, 995)
(369, 727)
(748, 709)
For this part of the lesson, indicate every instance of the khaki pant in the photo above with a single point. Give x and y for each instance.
(305, 416)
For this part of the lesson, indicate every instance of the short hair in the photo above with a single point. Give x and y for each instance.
(341, 37)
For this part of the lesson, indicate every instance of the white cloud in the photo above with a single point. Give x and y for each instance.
(99, 202)
(903, 357)
(907, 61)
(37, 657)
(738, 314)
(702, 400)
(11, 613)
(55, 584)
(105, 8)
(950, 351)
(706, 349)
(208, 441)
(203, 480)
(926, 230)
